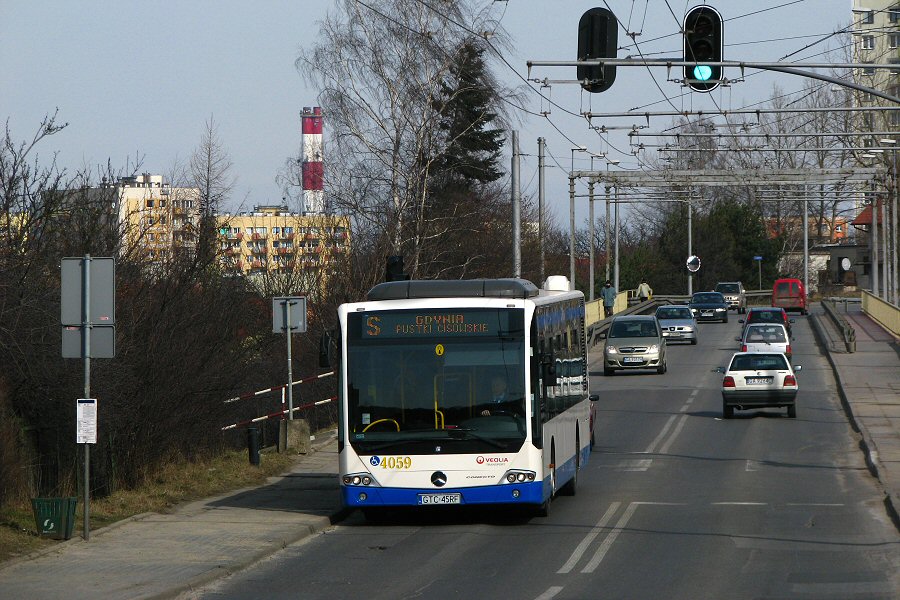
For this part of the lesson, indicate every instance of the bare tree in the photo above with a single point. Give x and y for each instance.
(383, 68)
(210, 173)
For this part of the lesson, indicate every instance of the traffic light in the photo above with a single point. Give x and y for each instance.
(597, 37)
(394, 269)
(702, 44)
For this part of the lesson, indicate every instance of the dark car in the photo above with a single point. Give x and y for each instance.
(767, 314)
(709, 306)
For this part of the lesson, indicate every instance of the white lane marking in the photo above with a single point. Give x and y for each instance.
(608, 542)
(694, 393)
(637, 465)
(661, 435)
(740, 504)
(813, 504)
(550, 593)
(674, 435)
(595, 531)
(751, 466)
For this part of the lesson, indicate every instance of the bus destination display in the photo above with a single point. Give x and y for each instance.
(413, 324)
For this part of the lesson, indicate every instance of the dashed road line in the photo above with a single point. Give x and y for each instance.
(551, 592)
(595, 531)
(610, 539)
(661, 435)
(674, 435)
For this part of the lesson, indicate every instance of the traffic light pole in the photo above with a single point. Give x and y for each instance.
(742, 65)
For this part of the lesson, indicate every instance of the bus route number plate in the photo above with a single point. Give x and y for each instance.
(440, 499)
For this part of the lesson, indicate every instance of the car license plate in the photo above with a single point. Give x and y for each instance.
(632, 359)
(440, 498)
(759, 380)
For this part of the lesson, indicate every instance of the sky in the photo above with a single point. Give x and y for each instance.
(140, 79)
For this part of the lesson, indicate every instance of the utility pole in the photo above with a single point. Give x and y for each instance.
(591, 253)
(690, 282)
(616, 282)
(541, 183)
(606, 235)
(516, 208)
(571, 233)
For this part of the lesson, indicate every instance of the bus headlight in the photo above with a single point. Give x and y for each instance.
(363, 479)
(518, 476)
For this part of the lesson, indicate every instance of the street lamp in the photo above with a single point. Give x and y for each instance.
(893, 290)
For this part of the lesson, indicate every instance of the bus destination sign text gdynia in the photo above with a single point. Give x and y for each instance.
(415, 324)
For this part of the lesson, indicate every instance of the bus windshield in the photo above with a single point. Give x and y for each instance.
(436, 381)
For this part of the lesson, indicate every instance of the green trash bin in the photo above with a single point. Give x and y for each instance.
(54, 517)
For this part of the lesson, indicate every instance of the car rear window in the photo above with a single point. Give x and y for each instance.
(783, 288)
(758, 362)
(674, 313)
(764, 315)
(765, 333)
(633, 329)
(708, 297)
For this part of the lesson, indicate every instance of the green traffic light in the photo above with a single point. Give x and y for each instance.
(702, 72)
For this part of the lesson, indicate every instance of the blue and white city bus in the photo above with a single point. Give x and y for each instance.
(418, 424)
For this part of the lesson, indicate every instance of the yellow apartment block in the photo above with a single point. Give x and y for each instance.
(158, 218)
(273, 240)
(162, 220)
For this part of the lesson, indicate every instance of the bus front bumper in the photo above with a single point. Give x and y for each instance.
(511, 493)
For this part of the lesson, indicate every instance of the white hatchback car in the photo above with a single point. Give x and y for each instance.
(766, 337)
(758, 379)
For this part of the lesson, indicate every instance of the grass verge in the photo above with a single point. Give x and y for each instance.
(178, 482)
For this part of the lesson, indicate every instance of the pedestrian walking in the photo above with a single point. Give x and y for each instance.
(608, 294)
(644, 291)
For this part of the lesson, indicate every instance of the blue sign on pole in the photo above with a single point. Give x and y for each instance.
(757, 258)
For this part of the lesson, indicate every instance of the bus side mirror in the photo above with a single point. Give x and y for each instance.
(325, 344)
(548, 370)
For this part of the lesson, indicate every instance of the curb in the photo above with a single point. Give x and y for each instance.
(317, 442)
(865, 442)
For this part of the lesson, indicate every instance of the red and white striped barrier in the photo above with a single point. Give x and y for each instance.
(276, 388)
(280, 413)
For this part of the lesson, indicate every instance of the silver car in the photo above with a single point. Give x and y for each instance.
(677, 323)
(634, 342)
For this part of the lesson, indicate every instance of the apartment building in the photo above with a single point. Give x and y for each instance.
(271, 239)
(157, 218)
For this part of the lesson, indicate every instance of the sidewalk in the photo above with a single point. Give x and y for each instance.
(869, 385)
(163, 556)
(160, 556)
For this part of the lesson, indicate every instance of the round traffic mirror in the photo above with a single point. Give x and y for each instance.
(693, 263)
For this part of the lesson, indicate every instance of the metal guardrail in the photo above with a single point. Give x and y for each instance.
(595, 330)
(841, 323)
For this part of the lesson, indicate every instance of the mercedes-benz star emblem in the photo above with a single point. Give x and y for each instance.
(438, 479)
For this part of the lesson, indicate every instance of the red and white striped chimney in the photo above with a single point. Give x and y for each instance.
(312, 169)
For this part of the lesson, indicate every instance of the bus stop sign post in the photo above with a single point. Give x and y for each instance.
(87, 305)
(288, 316)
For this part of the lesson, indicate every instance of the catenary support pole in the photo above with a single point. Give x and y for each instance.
(606, 247)
(591, 253)
(541, 184)
(805, 241)
(616, 273)
(516, 208)
(571, 233)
